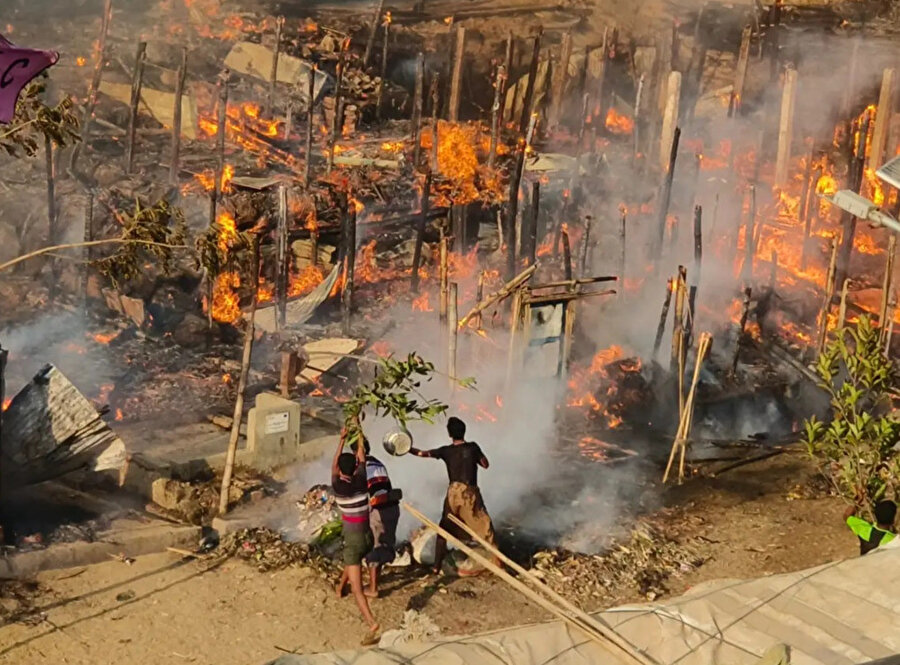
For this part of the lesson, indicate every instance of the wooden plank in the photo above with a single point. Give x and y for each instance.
(159, 104)
(51, 429)
(786, 128)
(882, 119)
(256, 60)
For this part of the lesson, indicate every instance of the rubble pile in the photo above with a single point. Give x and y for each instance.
(198, 502)
(17, 601)
(643, 563)
(268, 550)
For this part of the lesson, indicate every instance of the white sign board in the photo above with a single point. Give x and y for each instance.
(277, 422)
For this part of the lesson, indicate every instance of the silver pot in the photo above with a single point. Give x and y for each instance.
(397, 442)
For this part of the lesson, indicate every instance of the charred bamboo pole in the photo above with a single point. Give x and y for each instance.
(695, 273)
(623, 251)
(350, 258)
(848, 220)
(530, 85)
(749, 237)
(88, 236)
(337, 120)
(384, 61)
(887, 286)
(479, 296)
(310, 109)
(94, 88)
(889, 337)
(418, 106)
(531, 236)
(175, 166)
(664, 315)
(786, 128)
(810, 213)
(742, 327)
(445, 279)
(740, 75)
(500, 295)
(665, 197)
(512, 209)
(883, 116)
(676, 359)
(373, 30)
(420, 231)
(452, 332)
(586, 246)
(237, 416)
(567, 253)
(829, 294)
(435, 124)
(559, 81)
(137, 81)
(497, 113)
(52, 212)
(220, 148)
(273, 75)
(599, 93)
(456, 76)
(282, 267)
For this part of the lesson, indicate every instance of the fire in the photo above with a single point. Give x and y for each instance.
(586, 384)
(104, 338)
(226, 379)
(421, 304)
(119, 415)
(81, 61)
(462, 179)
(227, 231)
(864, 243)
(225, 302)
(872, 188)
(304, 282)
(6, 402)
(381, 348)
(392, 146)
(617, 123)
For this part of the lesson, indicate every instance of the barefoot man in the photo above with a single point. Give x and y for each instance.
(348, 478)
(463, 495)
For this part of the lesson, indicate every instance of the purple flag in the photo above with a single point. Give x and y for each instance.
(17, 67)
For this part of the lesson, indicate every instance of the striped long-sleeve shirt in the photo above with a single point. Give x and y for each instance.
(352, 497)
(379, 483)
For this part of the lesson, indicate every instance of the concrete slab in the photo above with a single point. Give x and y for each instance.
(128, 537)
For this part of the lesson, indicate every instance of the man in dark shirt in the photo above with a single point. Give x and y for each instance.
(351, 492)
(464, 500)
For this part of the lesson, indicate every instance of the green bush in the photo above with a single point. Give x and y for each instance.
(856, 449)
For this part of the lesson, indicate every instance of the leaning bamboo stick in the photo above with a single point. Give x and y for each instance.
(664, 315)
(540, 586)
(503, 293)
(479, 296)
(175, 164)
(829, 294)
(886, 285)
(678, 321)
(598, 637)
(890, 329)
(452, 331)
(684, 424)
(445, 279)
(842, 310)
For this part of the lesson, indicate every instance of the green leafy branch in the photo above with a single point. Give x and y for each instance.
(856, 449)
(395, 392)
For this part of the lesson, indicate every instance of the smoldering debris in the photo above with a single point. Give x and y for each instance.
(267, 550)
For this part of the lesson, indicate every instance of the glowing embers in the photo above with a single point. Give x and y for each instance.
(596, 389)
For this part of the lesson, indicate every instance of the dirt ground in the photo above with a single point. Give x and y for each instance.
(165, 610)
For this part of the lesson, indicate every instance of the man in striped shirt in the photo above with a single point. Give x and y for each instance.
(351, 492)
(384, 515)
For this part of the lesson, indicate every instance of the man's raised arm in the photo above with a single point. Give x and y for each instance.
(335, 470)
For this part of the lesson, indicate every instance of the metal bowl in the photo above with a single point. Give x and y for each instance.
(397, 442)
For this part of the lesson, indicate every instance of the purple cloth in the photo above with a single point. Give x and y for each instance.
(17, 67)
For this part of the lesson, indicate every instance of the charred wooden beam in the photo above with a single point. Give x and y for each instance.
(420, 232)
(276, 53)
(512, 209)
(137, 81)
(350, 258)
(559, 81)
(530, 85)
(175, 165)
(567, 253)
(665, 196)
(456, 75)
(664, 315)
(282, 265)
(740, 75)
(786, 127)
(310, 108)
(94, 88)
(373, 30)
(418, 108)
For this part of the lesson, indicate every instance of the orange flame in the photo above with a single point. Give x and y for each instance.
(617, 123)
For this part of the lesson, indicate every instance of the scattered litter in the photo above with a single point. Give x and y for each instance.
(415, 627)
(268, 550)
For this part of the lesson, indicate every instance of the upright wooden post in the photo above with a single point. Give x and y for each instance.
(384, 62)
(88, 236)
(666, 194)
(678, 321)
(559, 80)
(310, 108)
(479, 296)
(829, 294)
(282, 266)
(420, 232)
(670, 119)
(887, 284)
(567, 253)
(786, 128)
(854, 183)
(585, 246)
(452, 329)
(882, 119)
(740, 74)
(530, 85)
(273, 75)
(220, 153)
(175, 165)
(137, 79)
(695, 273)
(842, 309)
(52, 211)
(435, 124)
(350, 257)
(664, 315)
(418, 106)
(530, 239)
(623, 274)
(749, 238)
(497, 113)
(94, 88)
(456, 76)
(373, 29)
(444, 278)
(512, 210)
(237, 416)
(742, 326)
(337, 123)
